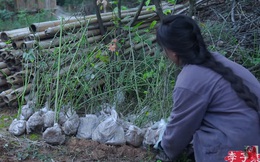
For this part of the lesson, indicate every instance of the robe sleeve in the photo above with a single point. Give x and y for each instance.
(186, 117)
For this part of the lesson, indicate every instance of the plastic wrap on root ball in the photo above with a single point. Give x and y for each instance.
(48, 119)
(154, 133)
(26, 112)
(134, 136)
(17, 127)
(86, 126)
(70, 127)
(110, 131)
(35, 122)
(62, 118)
(53, 135)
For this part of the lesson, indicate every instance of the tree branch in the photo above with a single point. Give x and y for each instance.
(159, 10)
(119, 17)
(100, 21)
(137, 13)
(192, 8)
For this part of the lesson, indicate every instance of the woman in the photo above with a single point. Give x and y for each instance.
(216, 101)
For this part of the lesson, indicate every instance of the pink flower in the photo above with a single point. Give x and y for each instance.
(112, 46)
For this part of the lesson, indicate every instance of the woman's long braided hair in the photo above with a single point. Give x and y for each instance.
(182, 35)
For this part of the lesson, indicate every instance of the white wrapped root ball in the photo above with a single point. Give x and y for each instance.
(154, 133)
(110, 131)
(53, 135)
(86, 126)
(35, 122)
(134, 136)
(70, 127)
(62, 118)
(48, 119)
(17, 127)
(26, 112)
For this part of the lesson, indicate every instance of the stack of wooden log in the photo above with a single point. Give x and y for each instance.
(45, 35)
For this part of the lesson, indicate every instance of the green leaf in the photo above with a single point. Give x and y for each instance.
(152, 25)
(167, 11)
(148, 74)
(147, 2)
(138, 25)
(172, 1)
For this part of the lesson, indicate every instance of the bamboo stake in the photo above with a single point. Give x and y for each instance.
(17, 44)
(4, 72)
(4, 54)
(2, 94)
(28, 44)
(2, 103)
(16, 54)
(16, 78)
(38, 27)
(139, 45)
(37, 36)
(66, 39)
(14, 94)
(3, 65)
(2, 82)
(83, 23)
(3, 45)
(14, 34)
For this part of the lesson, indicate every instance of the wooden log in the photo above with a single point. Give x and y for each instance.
(11, 95)
(16, 34)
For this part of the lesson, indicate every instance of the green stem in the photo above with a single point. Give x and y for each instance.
(58, 75)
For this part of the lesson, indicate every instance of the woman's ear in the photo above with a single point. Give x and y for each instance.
(172, 56)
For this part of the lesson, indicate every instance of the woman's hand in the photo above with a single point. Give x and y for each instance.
(161, 156)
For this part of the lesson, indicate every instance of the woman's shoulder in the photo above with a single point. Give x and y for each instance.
(197, 78)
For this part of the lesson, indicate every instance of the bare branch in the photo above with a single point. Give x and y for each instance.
(119, 17)
(137, 13)
(233, 11)
(100, 21)
(159, 10)
(192, 8)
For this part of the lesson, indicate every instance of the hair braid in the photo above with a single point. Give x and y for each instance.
(182, 35)
(236, 82)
